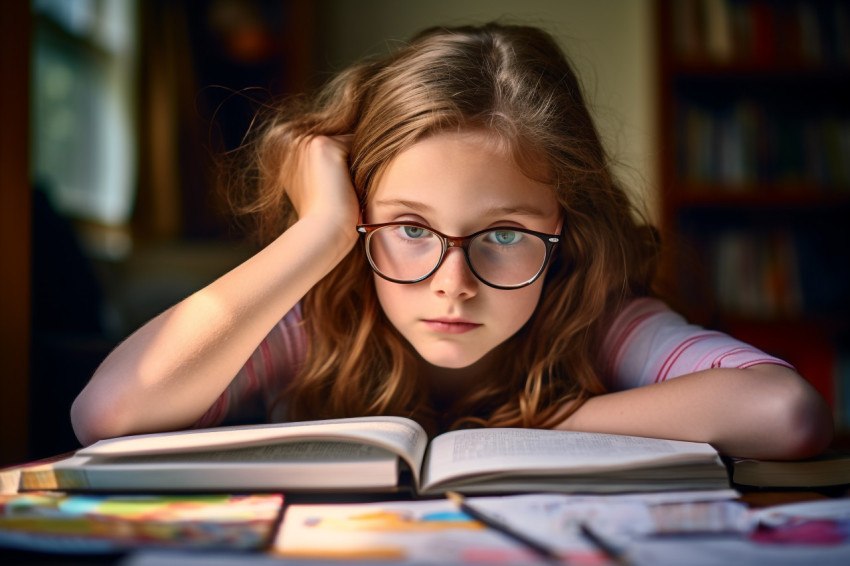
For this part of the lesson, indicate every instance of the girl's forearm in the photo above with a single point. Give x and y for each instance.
(766, 411)
(168, 373)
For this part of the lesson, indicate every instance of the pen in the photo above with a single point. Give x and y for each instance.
(606, 547)
(497, 525)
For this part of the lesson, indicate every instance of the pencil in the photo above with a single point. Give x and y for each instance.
(607, 549)
(497, 525)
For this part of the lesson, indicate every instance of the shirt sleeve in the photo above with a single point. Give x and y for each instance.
(269, 370)
(649, 343)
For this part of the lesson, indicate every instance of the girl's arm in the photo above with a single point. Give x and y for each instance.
(765, 411)
(167, 374)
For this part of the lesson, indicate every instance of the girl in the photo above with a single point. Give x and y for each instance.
(500, 279)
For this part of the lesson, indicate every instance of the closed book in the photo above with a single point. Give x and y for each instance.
(832, 468)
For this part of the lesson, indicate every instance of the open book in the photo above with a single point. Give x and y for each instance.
(381, 454)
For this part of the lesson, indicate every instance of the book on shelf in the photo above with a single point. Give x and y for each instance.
(756, 273)
(740, 144)
(805, 32)
(382, 454)
(793, 268)
(831, 468)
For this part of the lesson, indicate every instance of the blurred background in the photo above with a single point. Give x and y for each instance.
(727, 120)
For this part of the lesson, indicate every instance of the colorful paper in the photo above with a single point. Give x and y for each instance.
(47, 521)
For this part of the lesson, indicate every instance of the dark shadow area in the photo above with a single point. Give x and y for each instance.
(68, 335)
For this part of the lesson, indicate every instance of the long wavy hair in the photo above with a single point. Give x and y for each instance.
(515, 83)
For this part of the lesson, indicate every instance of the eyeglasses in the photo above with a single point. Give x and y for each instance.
(502, 257)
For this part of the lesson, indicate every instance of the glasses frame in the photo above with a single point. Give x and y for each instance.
(462, 242)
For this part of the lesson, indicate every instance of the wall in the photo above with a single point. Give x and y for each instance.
(14, 231)
(609, 41)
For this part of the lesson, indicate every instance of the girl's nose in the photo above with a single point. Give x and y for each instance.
(453, 278)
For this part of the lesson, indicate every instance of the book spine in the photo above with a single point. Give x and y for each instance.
(10, 481)
(48, 478)
(686, 26)
(756, 275)
(718, 33)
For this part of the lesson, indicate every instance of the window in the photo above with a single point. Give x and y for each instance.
(83, 131)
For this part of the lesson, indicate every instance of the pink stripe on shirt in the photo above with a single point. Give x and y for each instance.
(648, 343)
(674, 356)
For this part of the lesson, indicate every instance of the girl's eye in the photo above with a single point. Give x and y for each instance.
(505, 237)
(414, 232)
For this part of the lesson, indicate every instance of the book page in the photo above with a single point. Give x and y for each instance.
(488, 451)
(398, 435)
(314, 451)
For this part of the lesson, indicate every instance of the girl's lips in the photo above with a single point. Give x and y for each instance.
(450, 326)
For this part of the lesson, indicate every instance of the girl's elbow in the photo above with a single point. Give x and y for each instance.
(93, 421)
(802, 420)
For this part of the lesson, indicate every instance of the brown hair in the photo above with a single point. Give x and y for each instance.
(514, 82)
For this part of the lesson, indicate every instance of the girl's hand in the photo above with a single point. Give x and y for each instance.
(317, 180)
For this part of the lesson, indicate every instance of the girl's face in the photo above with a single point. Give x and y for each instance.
(457, 184)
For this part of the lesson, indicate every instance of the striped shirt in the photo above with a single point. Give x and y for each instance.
(647, 343)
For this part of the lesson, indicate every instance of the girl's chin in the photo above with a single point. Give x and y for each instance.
(453, 360)
(451, 364)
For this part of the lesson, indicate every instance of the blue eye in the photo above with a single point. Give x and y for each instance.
(414, 232)
(505, 237)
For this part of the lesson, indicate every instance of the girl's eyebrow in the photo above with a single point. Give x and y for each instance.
(402, 203)
(519, 209)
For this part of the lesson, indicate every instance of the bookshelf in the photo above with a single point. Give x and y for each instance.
(754, 110)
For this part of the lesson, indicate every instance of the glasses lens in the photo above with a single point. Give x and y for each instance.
(404, 253)
(507, 257)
